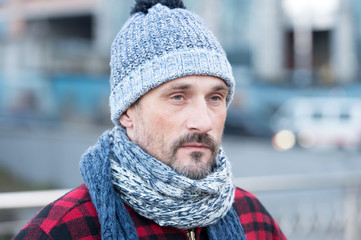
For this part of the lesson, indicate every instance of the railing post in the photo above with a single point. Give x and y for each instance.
(352, 211)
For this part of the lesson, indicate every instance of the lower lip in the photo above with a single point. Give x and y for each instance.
(194, 148)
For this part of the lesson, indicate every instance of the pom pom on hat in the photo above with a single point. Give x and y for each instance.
(166, 43)
(144, 5)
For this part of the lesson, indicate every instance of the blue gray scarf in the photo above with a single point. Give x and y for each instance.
(117, 170)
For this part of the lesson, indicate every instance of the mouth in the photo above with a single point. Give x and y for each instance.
(195, 146)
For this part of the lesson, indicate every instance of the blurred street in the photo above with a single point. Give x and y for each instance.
(257, 157)
(52, 155)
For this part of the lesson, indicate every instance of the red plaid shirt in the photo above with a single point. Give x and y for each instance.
(73, 216)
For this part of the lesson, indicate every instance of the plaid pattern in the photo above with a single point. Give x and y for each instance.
(257, 223)
(73, 216)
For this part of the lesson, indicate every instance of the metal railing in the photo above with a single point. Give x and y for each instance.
(319, 206)
(300, 182)
(335, 213)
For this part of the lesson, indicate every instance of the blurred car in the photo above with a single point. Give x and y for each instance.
(309, 122)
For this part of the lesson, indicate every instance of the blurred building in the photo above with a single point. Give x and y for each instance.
(55, 54)
(296, 42)
(306, 42)
(60, 35)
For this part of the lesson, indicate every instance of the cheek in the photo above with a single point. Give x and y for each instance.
(223, 118)
(166, 124)
(218, 123)
(169, 129)
(160, 124)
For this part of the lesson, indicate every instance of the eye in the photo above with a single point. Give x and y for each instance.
(178, 97)
(215, 98)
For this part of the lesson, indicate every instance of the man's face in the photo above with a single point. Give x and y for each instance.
(181, 123)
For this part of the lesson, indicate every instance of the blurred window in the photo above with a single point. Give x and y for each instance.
(320, 48)
(72, 27)
(235, 31)
(357, 29)
(344, 116)
(3, 28)
(72, 36)
(317, 115)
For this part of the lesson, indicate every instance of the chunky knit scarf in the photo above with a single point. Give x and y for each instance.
(117, 170)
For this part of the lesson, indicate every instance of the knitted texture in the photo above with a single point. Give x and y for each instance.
(115, 220)
(95, 170)
(144, 5)
(156, 191)
(234, 229)
(158, 46)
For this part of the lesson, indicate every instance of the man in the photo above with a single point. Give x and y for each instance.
(160, 172)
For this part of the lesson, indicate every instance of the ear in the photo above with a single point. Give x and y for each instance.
(125, 120)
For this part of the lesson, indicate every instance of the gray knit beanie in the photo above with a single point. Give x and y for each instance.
(162, 41)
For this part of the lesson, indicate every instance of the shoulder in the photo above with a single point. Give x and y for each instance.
(72, 214)
(255, 219)
(247, 206)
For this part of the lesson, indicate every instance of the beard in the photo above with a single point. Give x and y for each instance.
(198, 169)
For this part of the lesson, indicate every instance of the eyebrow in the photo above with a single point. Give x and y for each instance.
(180, 86)
(220, 88)
(188, 86)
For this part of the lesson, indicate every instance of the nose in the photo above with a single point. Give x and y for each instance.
(199, 119)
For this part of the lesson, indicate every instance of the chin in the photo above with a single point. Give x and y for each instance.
(194, 169)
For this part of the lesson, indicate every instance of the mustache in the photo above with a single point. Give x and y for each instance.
(203, 138)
